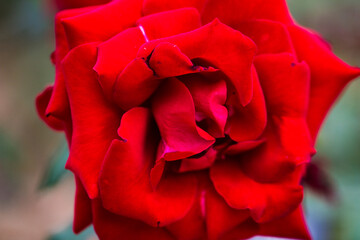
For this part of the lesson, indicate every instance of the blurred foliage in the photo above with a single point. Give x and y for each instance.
(67, 234)
(55, 171)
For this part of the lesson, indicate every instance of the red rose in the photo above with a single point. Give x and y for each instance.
(190, 119)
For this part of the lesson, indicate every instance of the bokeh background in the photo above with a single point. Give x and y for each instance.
(36, 194)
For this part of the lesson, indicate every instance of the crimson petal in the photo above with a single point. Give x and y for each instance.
(288, 142)
(269, 36)
(209, 94)
(247, 123)
(243, 146)
(83, 209)
(42, 103)
(285, 84)
(115, 54)
(231, 12)
(234, 58)
(193, 164)
(266, 201)
(95, 120)
(65, 4)
(154, 6)
(291, 226)
(59, 103)
(192, 226)
(165, 24)
(109, 226)
(124, 181)
(102, 23)
(221, 218)
(142, 76)
(329, 74)
(174, 111)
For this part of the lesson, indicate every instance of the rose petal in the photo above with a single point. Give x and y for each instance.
(109, 226)
(243, 146)
(285, 84)
(59, 103)
(192, 226)
(266, 201)
(124, 181)
(64, 4)
(287, 145)
(115, 54)
(234, 57)
(82, 210)
(245, 230)
(231, 12)
(193, 164)
(174, 112)
(102, 23)
(247, 123)
(220, 217)
(154, 6)
(165, 24)
(288, 142)
(209, 94)
(143, 75)
(95, 120)
(42, 103)
(329, 74)
(291, 226)
(269, 36)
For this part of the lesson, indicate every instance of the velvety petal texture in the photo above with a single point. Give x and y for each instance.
(189, 119)
(95, 121)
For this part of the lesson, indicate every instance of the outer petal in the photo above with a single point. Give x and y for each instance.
(169, 23)
(269, 36)
(288, 142)
(266, 202)
(291, 226)
(65, 4)
(59, 103)
(154, 6)
(42, 102)
(285, 84)
(83, 209)
(329, 75)
(231, 12)
(94, 119)
(234, 58)
(174, 112)
(109, 226)
(125, 184)
(102, 23)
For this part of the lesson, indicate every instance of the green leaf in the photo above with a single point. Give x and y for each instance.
(56, 169)
(67, 234)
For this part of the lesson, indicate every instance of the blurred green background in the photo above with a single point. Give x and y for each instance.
(31, 155)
